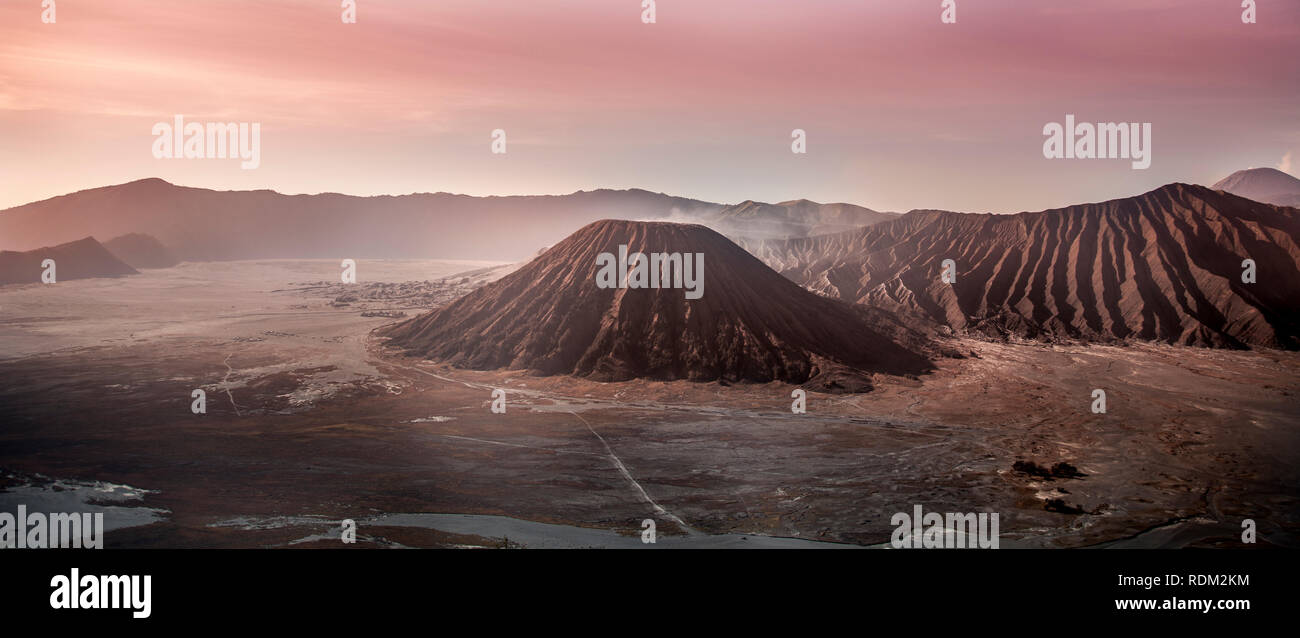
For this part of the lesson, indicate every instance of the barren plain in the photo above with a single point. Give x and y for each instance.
(310, 420)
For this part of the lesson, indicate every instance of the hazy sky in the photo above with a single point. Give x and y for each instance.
(901, 111)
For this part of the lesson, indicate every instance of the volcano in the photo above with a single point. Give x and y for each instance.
(1267, 185)
(750, 324)
(1163, 266)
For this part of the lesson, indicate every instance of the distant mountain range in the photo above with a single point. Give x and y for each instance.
(141, 251)
(751, 221)
(197, 224)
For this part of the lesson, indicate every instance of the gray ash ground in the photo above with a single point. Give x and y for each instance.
(380, 296)
(393, 299)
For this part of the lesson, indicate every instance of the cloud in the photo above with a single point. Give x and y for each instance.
(1285, 164)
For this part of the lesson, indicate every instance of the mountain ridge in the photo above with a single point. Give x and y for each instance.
(1162, 266)
(141, 251)
(84, 258)
(199, 224)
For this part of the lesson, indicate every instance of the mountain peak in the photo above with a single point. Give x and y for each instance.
(1267, 185)
(749, 324)
(147, 184)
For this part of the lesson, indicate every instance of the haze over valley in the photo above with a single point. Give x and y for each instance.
(377, 400)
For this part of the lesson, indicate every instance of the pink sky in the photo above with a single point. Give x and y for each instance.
(901, 111)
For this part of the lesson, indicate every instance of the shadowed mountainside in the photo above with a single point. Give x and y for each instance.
(141, 251)
(750, 324)
(81, 259)
(1163, 266)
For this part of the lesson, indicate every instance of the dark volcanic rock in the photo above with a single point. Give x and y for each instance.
(1060, 470)
(81, 259)
(1061, 507)
(751, 324)
(1163, 266)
